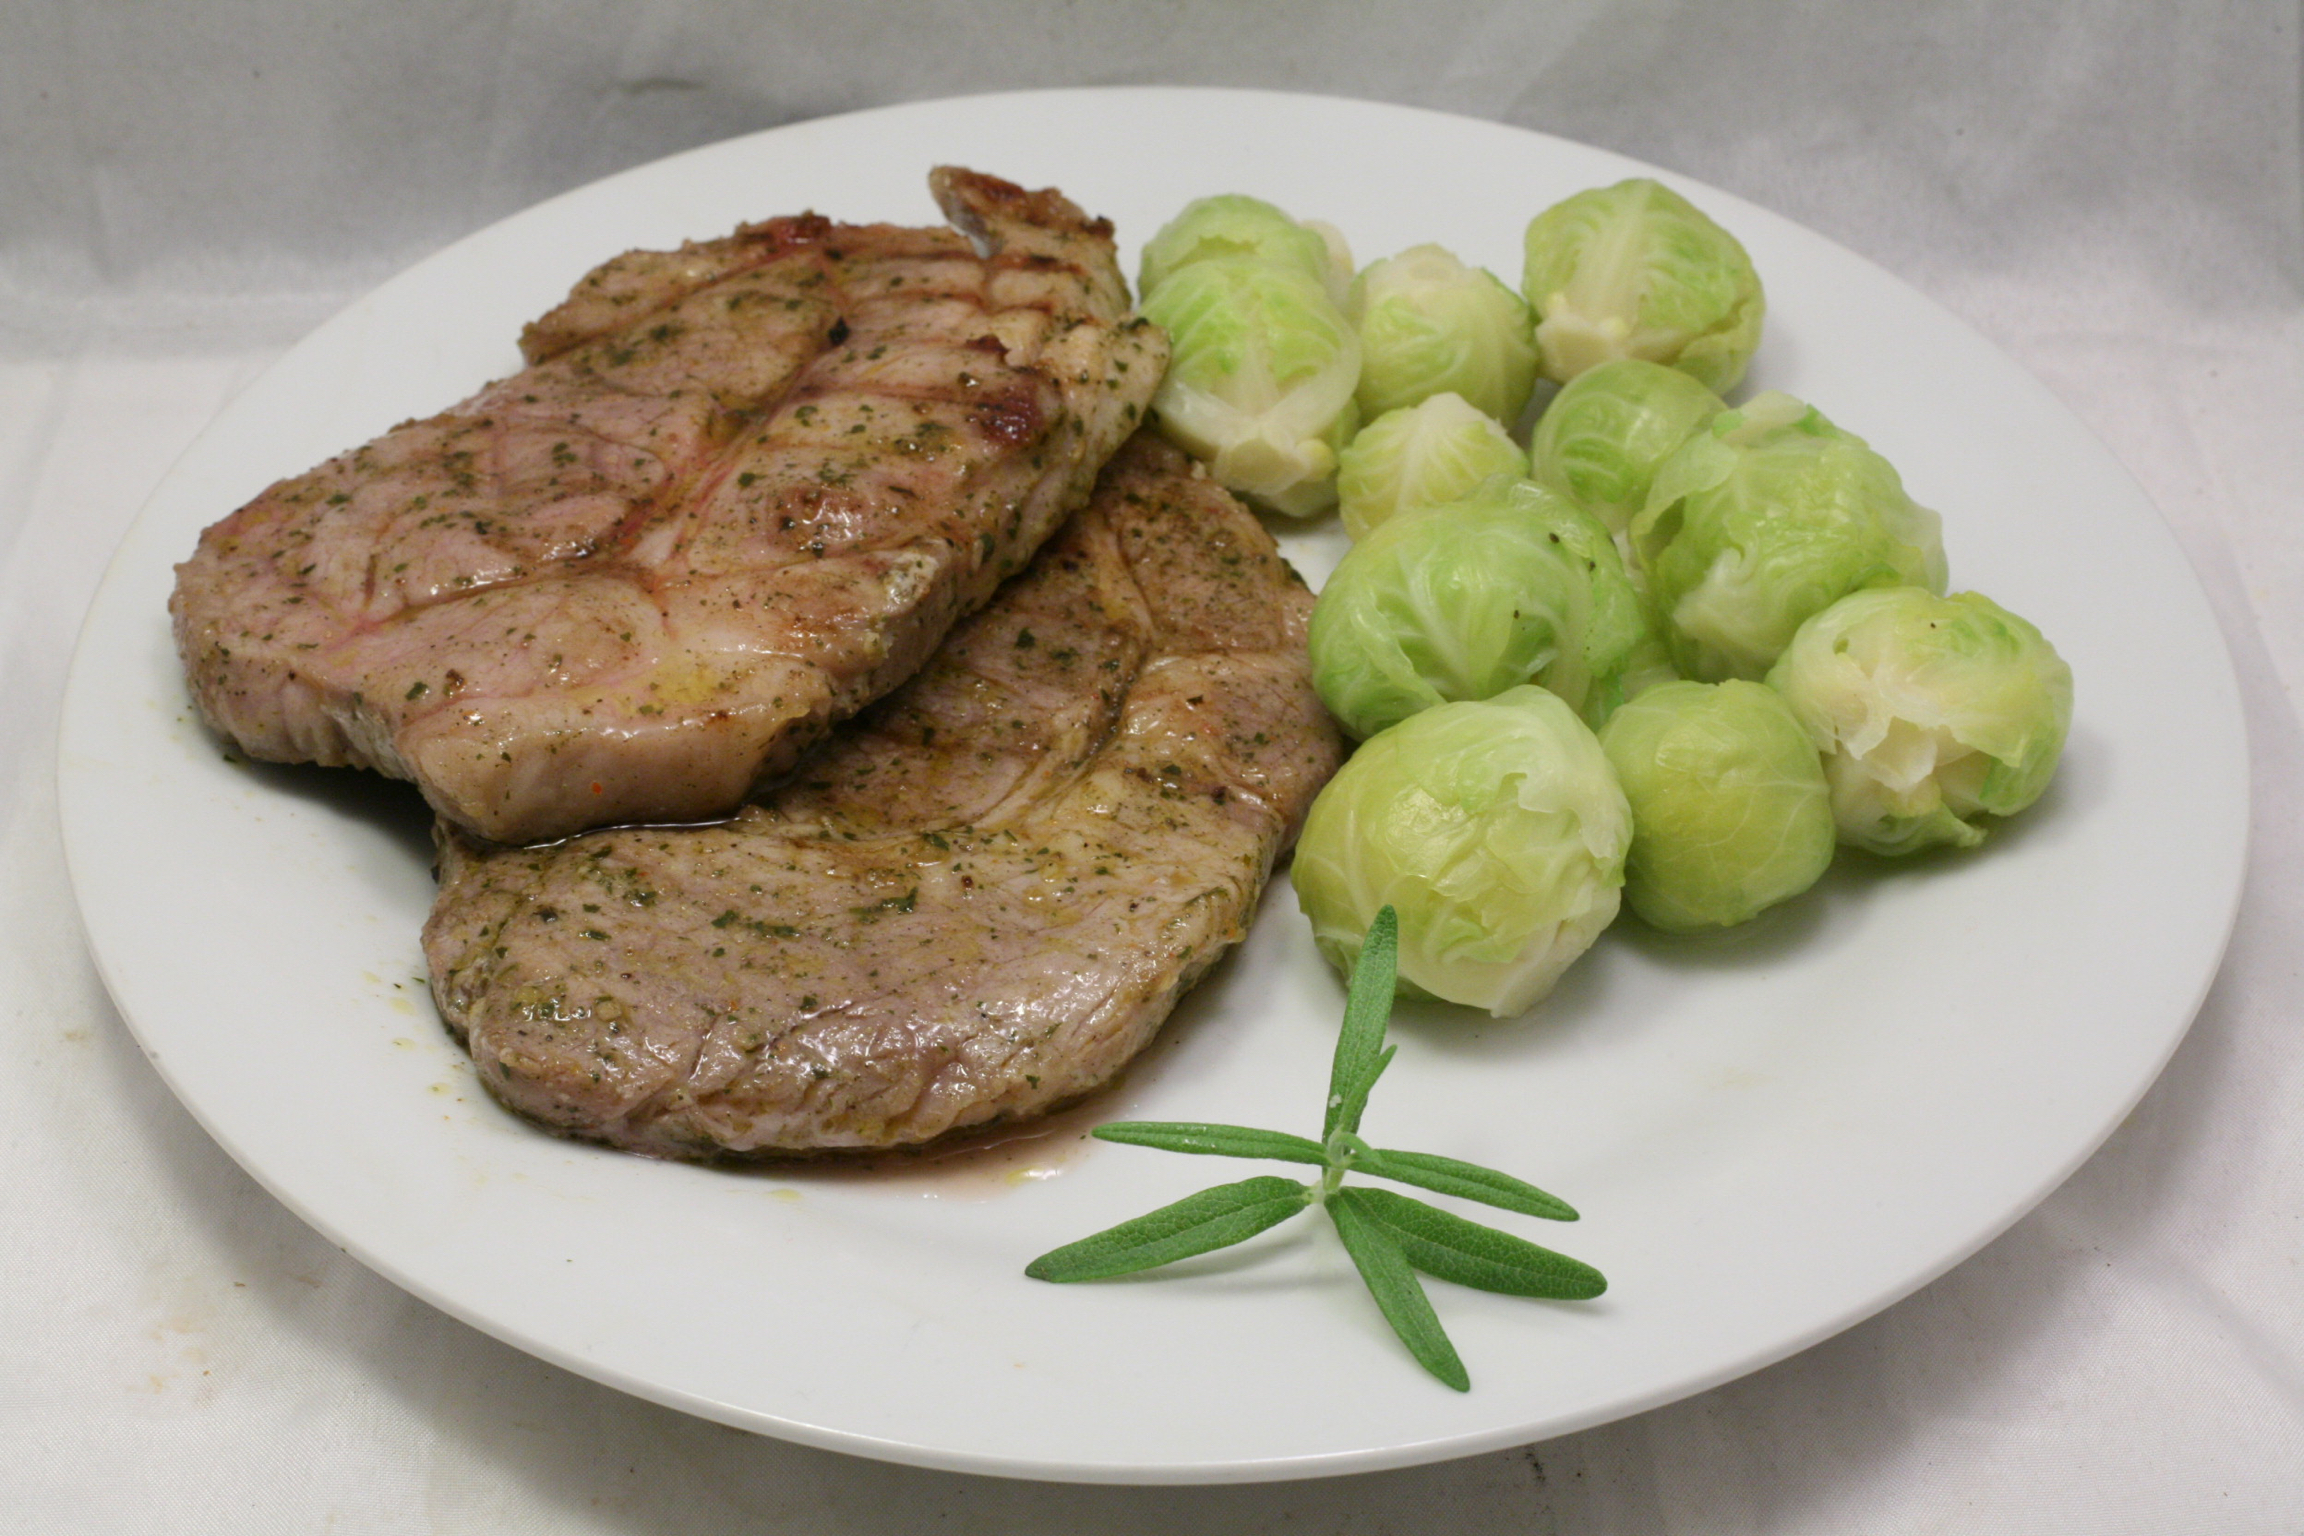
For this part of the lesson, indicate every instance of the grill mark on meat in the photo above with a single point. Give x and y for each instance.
(740, 490)
(977, 901)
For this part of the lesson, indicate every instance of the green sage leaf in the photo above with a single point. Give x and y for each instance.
(1384, 1265)
(1360, 1054)
(1468, 1181)
(1450, 1248)
(1202, 1223)
(1211, 1140)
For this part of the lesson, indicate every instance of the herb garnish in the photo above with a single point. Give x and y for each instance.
(1389, 1236)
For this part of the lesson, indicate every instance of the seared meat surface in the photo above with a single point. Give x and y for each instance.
(979, 900)
(741, 490)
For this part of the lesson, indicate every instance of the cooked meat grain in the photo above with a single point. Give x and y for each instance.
(741, 490)
(976, 902)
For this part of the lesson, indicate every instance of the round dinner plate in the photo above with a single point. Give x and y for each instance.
(1772, 1133)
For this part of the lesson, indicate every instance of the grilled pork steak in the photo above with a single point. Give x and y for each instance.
(741, 490)
(977, 901)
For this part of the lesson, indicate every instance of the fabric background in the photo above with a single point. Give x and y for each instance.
(2109, 189)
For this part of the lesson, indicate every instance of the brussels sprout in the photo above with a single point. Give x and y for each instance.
(1768, 515)
(1603, 436)
(1338, 276)
(1513, 584)
(1931, 713)
(1234, 225)
(1495, 829)
(1729, 810)
(1634, 270)
(1648, 666)
(1260, 378)
(1420, 457)
(1428, 323)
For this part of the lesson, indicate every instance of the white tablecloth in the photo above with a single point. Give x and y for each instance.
(2111, 191)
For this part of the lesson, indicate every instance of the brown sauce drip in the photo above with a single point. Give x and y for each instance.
(977, 1164)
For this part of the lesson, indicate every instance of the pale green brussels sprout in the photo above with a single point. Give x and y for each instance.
(1766, 516)
(1635, 270)
(1513, 584)
(1428, 324)
(1650, 663)
(1235, 225)
(1931, 712)
(1604, 435)
(1260, 378)
(1497, 832)
(1338, 276)
(1420, 456)
(1730, 814)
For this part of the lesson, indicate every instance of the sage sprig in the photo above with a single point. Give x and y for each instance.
(1389, 1236)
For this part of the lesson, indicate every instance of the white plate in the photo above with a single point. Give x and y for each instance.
(1771, 1135)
